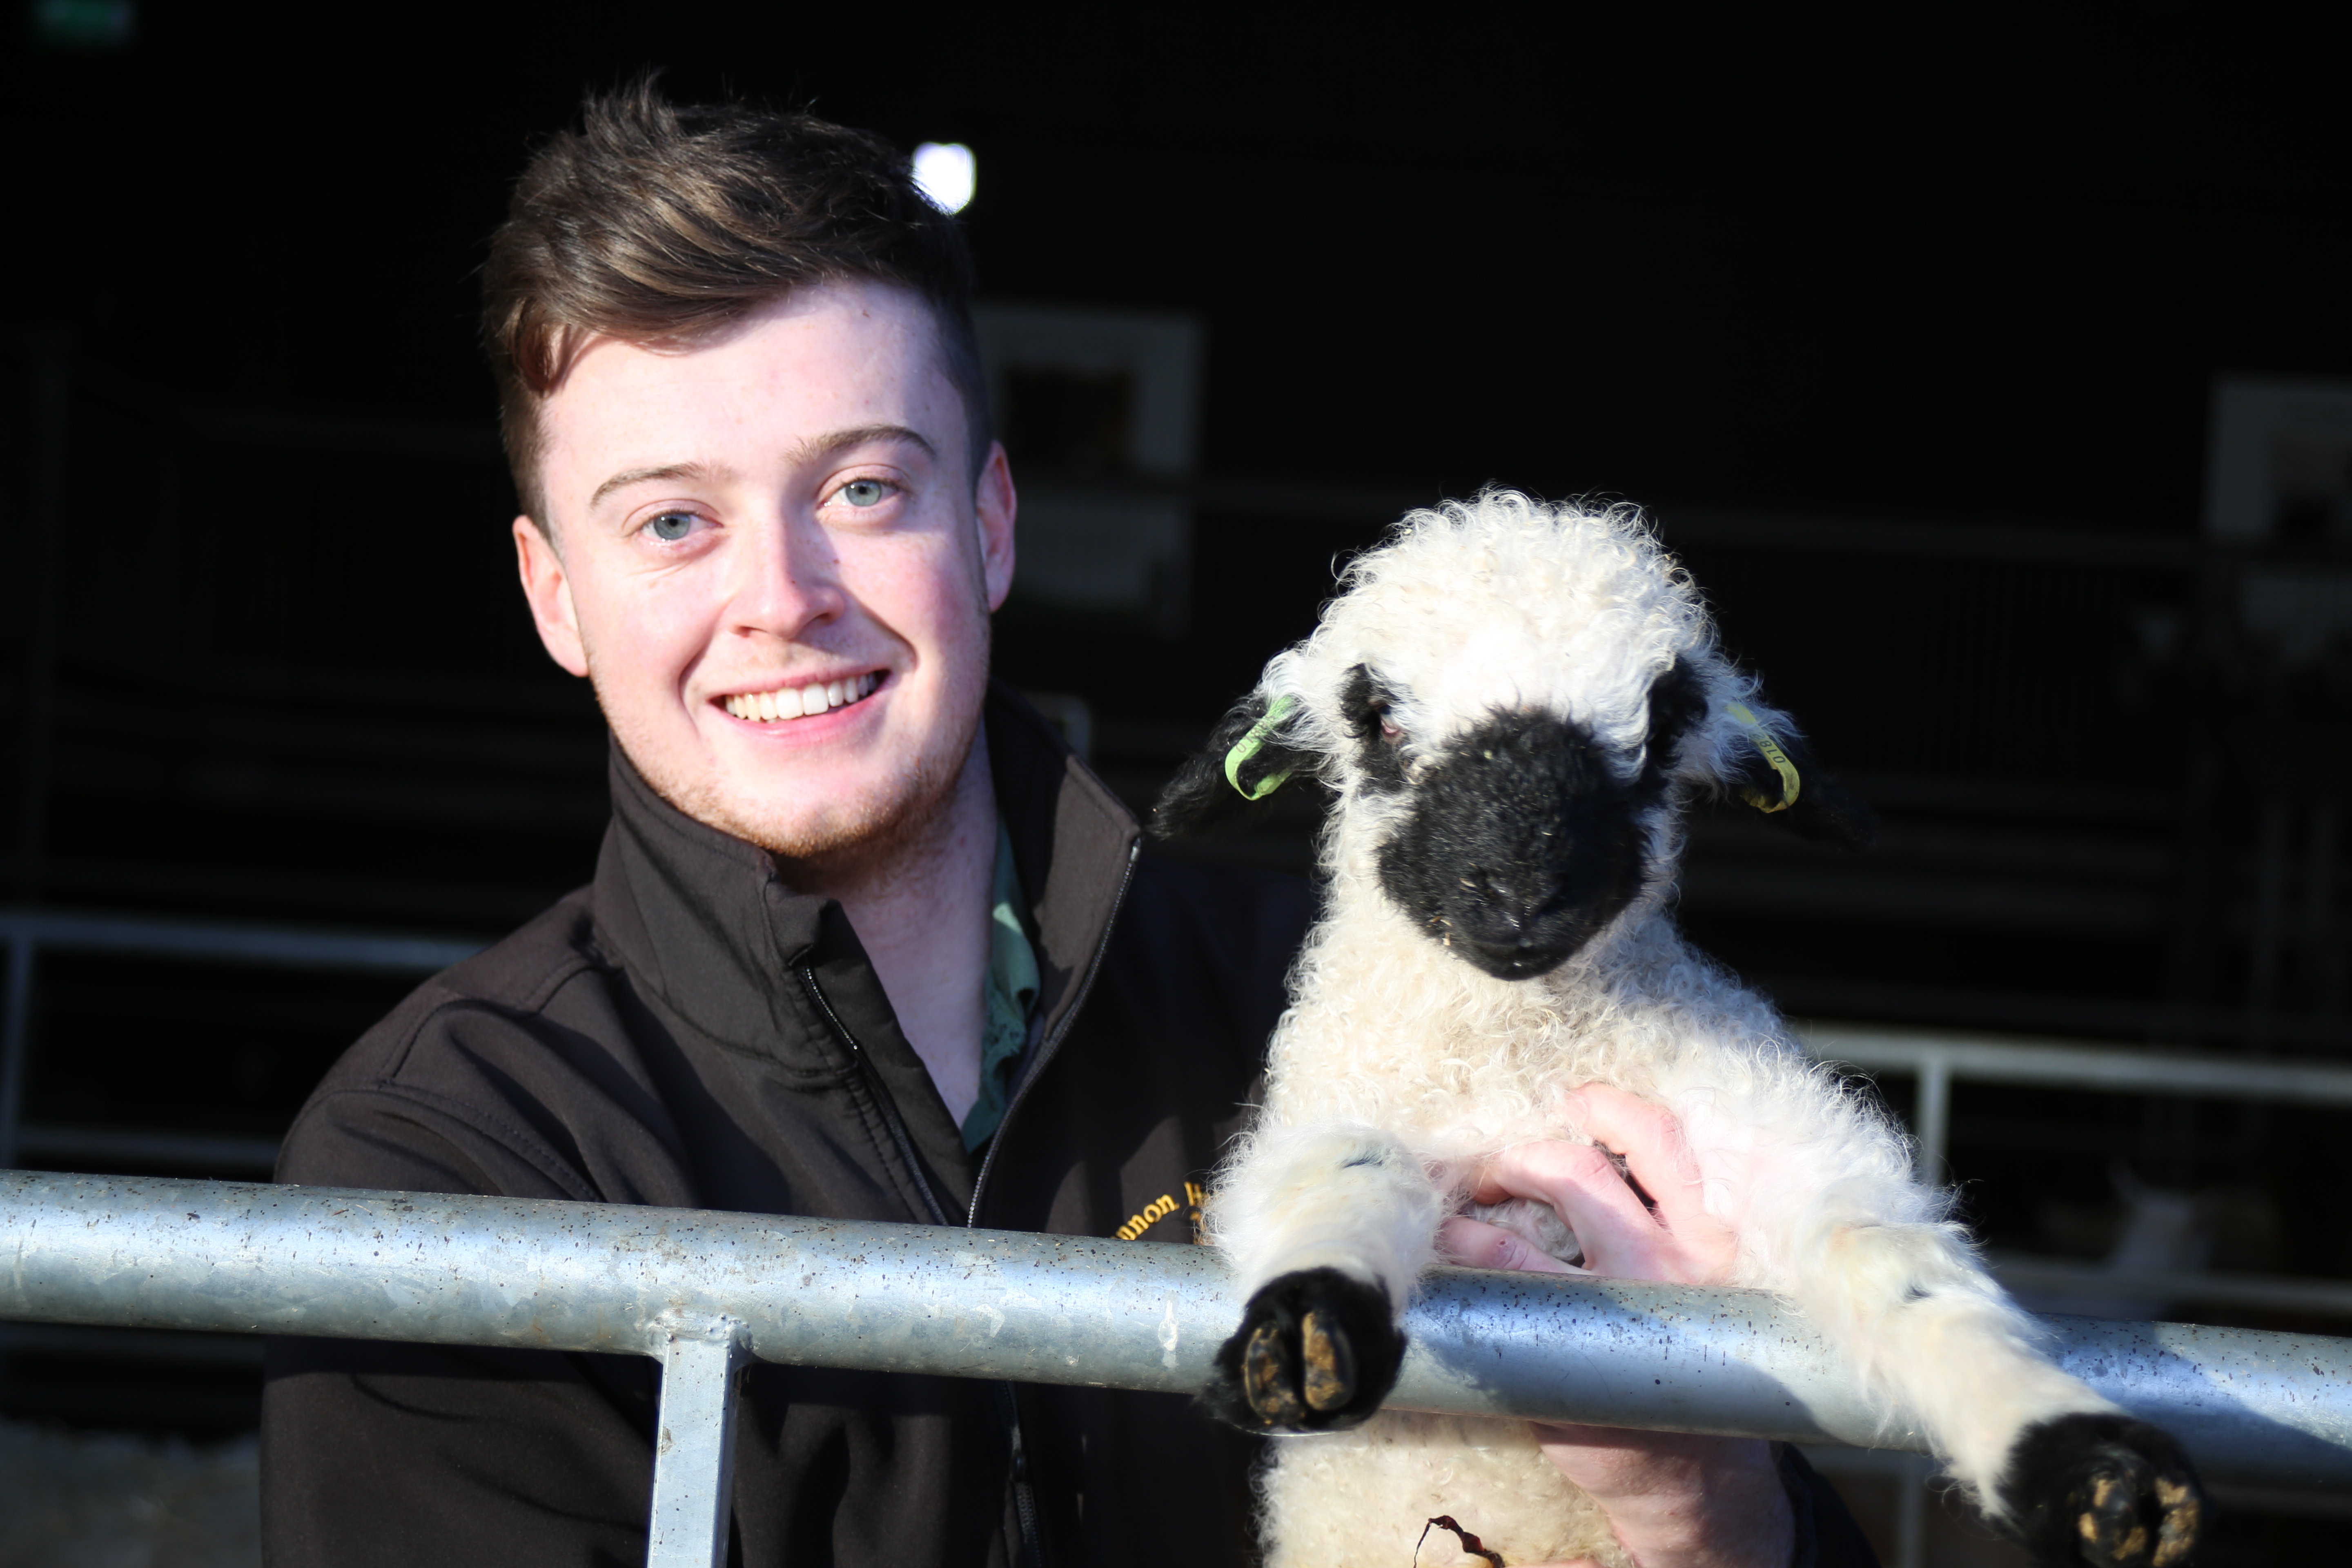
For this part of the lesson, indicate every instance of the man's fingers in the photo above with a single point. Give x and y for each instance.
(1620, 1236)
(1574, 1178)
(1706, 1248)
(1655, 1152)
(1475, 1244)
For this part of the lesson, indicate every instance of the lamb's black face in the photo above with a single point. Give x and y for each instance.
(1520, 843)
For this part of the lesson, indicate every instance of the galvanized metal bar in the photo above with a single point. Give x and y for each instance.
(694, 1457)
(241, 1257)
(233, 942)
(2066, 1064)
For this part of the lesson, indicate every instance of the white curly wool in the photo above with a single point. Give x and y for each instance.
(1399, 1068)
(1413, 1468)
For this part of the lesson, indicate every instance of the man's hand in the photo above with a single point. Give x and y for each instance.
(1675, 1500)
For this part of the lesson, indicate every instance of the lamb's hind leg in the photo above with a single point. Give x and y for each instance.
(2059, 1466)
(1328, 1227)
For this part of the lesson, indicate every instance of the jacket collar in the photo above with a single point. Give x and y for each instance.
(703, 919)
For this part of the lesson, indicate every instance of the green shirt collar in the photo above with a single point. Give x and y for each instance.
(1012, 991)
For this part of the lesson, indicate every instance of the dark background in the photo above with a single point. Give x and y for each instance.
(1966, 273)
(1906, 334)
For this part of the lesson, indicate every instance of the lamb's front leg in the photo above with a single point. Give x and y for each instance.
(1818, 1195)
(2060, 1468)
(1326, 1227)
(1821, 1193)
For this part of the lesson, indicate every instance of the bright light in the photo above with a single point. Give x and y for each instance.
(945, 172)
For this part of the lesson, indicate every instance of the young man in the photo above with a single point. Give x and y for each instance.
(863, 941)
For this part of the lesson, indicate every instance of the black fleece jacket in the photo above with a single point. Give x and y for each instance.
(662, 1037)
(689, 1033)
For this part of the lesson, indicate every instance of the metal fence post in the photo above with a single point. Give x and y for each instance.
(15, 1036)
(694, 1454)
(1933, 1124)
(1931, 1128)
(38, 558)
(1913, 1481)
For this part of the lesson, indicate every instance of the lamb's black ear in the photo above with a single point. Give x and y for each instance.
(1824, 811)
(1828, 813)
(1678, 703)
(1207, 796)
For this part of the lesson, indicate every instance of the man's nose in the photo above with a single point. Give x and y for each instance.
(785, 579)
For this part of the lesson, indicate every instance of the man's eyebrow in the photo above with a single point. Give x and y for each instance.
(816, 448)
(628, 477)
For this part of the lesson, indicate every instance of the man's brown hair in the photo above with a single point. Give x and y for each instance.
(663, 224)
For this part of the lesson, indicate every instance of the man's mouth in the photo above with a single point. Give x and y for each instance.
(803, 701)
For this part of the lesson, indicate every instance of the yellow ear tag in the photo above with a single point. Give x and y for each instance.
(1251, 745)
(1789, 782)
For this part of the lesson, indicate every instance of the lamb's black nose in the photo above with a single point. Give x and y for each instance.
(1517, 960)
(1520, 843)
(1513, 936)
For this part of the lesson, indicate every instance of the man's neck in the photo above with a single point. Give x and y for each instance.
(922, 917)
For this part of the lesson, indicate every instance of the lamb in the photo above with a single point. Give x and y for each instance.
(1514, 705)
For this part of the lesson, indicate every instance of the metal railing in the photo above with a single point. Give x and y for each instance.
(24, 932)
(704, 1292)
(1936, 1060)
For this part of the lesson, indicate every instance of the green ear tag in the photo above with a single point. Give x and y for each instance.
(1251, 745)
(1789, 782)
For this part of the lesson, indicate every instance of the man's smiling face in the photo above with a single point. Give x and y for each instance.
(771, 560)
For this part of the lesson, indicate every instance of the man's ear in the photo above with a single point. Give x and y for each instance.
(1231, 779)
(547, 589)
(994, 507)
(1824, 811)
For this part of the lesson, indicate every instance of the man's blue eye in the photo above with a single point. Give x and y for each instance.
(865, 493)
(671, 526)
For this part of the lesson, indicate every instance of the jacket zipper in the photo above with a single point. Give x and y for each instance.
(1008, 1409)
(881, 1092)
(1024, 1497)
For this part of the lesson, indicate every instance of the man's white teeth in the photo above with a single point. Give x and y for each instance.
(769, 707)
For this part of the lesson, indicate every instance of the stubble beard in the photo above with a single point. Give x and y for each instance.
(861, 844)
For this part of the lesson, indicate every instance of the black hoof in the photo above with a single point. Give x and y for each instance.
(1317, 1351)
(2104, 1491)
